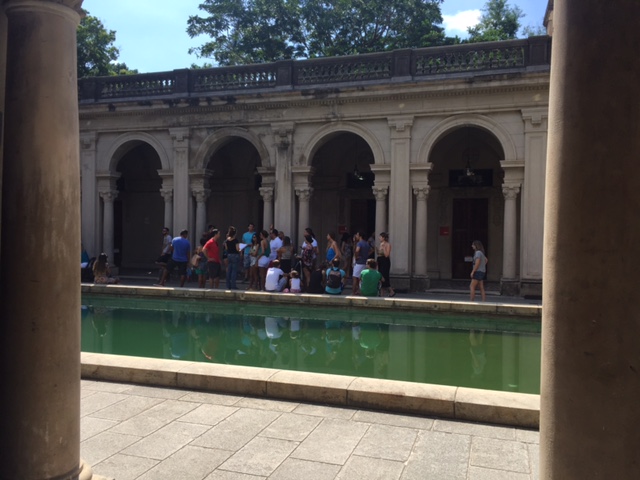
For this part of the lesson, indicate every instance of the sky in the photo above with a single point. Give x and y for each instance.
(151, 34)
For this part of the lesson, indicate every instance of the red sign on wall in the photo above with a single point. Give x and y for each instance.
(444, 231)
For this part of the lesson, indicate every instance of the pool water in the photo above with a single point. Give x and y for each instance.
(495, 353)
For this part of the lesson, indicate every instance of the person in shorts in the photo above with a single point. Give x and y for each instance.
(362, 255)
(179, 258)
(211, 250)
(479, 270)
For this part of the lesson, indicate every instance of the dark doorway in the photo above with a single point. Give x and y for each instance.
(470, 222)
(363, 215)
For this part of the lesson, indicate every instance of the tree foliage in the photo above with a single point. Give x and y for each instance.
(97, 53)
(256, 31)
(499, 21)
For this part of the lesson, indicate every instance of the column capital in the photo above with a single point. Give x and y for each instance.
(108, 195)
(69, 8)
(200, 194)
(167, 194)
(400, 124)
(421, 192)
(510, 192)
(179, 136)
(304, 193)
(535, 119)
(88, 141)
(380, 192)
(266, 193)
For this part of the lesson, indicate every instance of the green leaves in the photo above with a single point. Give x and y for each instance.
(256, 31)
(499, 21)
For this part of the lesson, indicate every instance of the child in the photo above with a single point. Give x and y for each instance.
(294, 282)
(102, 271)
(370, 279)
(335, 278)
(199, 264)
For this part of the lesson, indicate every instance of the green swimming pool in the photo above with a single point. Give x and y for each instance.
(495, 353)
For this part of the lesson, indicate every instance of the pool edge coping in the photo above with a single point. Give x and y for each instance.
(455, 403)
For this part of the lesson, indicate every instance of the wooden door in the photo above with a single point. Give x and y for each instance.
(470, 222)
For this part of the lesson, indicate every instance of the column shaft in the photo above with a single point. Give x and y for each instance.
(420, 266)
(40, 309)
(510, 232)
(108, 225)
(591, 317)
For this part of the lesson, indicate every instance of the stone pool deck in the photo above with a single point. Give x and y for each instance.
(316, 425)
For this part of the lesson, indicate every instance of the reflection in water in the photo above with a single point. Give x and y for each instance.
(332, 342)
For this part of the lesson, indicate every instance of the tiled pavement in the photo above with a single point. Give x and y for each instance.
(148, 433)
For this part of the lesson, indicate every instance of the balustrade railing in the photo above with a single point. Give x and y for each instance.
(398, 65)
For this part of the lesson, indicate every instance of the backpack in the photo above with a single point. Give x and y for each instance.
(334, 278)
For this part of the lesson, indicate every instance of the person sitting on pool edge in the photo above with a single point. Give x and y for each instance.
(276, 279)
(370, 279)
(335, 278)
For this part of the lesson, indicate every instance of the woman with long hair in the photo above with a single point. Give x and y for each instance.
(479, 270)
(102, 271)
(346, 249)
(232, 247)
(263, 257)
(384, 264)
(333, 251)
(254, 275)
(285, 254)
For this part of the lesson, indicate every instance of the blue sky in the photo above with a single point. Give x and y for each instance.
(152, 37)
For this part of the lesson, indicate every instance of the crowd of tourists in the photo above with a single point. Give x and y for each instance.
(268, 261)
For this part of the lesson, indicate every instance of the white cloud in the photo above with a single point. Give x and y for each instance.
(457, 24)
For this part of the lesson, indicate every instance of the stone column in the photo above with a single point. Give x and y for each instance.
(510, 249)
(284, 197)
(267, 198)
(421, 193)
(304, 195)
(381, 209)
(201, 196)
(591, 317)
(167, 195)
(107, 222)
(40, 326)
(181, 200)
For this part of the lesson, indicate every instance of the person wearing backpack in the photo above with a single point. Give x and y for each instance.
(335, 278)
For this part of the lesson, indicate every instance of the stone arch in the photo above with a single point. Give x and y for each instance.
(220, 137)
(119, 147)
(468, 120)
(327, 131)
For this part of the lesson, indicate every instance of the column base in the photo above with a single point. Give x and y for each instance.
(420, 283)
(531, 288)
(510, 288)
(401, 283)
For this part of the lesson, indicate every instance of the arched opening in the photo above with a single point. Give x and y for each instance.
(465, 202)
(342, 198)
(138, 208)
(234, 185)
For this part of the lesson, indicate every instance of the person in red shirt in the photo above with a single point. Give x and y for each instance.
(211, 250)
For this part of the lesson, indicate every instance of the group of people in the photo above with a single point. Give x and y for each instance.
(268, 261)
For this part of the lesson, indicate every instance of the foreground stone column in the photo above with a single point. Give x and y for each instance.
(591, 314)
(40, 309)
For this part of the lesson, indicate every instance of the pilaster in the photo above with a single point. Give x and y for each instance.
(88, 192)
(181, 187)
(284, 197)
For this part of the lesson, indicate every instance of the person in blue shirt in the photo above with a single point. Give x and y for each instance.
(180, 254)
(334, 278)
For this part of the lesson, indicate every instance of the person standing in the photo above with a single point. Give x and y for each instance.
(181, 248)
(232, 247)
(362, 255)
(165, 253)
(247, 239)
(479, 270)
(212, 252)
(384, 264)
(274, 244)
(333, 251)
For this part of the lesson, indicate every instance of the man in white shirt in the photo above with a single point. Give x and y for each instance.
(274, 244)
(276, 279)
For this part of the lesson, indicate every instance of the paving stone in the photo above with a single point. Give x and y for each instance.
(528, 436)
(127, 408)
(237, 430)
(223, 475)
(99, 400)
(86, 393)
(90, 426)
(154, 418)
(475, 429)
(325, 411)
(500, 455)
(294, 469)
(189, 462)
(387, 442)
(397, 420)
(213, 398)
(261, 456)
(438, 456)
(267, 404)
(479, 473)
(155, 392)
(104, 445)
(100, 386)
(291, 426)
(331, 442)
(123, 467)
(164, 442)
(365, 468)
(208, 414)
